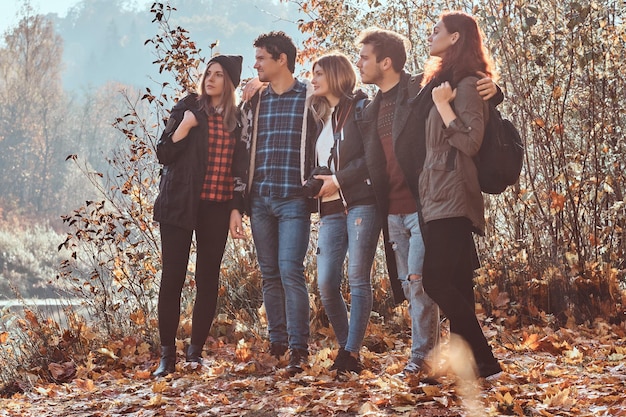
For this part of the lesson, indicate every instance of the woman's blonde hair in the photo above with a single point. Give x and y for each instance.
(228, 100)
(341, 79)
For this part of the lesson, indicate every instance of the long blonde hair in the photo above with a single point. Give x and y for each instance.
(341, 79)
(228, 100)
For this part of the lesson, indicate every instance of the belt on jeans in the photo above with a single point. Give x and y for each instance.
(331, 207)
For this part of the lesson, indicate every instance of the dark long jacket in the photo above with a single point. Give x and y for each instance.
(184, 166)
(410, 150)
(349, 156)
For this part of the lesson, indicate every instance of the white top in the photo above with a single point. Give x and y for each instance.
(323, 146)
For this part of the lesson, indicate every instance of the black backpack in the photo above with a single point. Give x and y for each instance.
(501, 155)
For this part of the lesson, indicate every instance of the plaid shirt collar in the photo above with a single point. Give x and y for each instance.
(297, 86)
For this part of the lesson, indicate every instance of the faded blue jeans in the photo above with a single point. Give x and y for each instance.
(406, 237)
(280, 228)
(355, 233)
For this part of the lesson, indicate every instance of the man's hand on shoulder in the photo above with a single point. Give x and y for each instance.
(486, 87)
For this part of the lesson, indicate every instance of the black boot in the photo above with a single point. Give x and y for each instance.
(168, 361)
(297, 358)
(194, 354)
(340, 361)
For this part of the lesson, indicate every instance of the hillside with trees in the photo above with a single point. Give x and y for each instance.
(63, 84)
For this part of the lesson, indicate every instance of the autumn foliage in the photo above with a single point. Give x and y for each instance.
(554, 242)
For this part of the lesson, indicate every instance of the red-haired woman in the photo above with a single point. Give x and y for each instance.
(451, 198)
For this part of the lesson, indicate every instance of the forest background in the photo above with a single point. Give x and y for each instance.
(80, 173)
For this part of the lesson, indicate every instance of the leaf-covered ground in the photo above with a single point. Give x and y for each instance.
(568, 372)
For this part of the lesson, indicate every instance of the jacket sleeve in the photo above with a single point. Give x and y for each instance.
(498, 97)
(466, 131)
(240, 169)
(355, 171)
(167, 150)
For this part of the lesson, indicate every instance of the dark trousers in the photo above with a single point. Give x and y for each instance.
(211, 233)
(449, 264)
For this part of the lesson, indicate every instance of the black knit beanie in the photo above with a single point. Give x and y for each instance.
(231, 64)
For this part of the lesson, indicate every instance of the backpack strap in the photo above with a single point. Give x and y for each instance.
(358, 109)
(414, 86)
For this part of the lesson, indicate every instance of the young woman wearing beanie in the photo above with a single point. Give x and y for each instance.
(199, 150)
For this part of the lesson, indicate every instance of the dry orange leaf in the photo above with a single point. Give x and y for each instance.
(85, 384)
(242, 351)
(557, 201)
(107, 352)
(143, 374)
(155, 401)
(431, 390)
(32, 319)
(138, 317)
(530, 341)
(62, 372)
(159, 386)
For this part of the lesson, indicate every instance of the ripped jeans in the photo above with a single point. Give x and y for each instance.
(357, 234)
(406, 237)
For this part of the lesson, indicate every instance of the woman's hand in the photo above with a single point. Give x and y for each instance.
(442, 97)
(443, 94)
(189, 121)
(328, 188)
(251, 87)
(236, 225)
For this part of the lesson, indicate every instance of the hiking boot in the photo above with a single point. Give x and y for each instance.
(420, 371)
(297, 358)
(168, 361)
(277, 350)
(411, 368)
(352, 364)
(339, 364)
(194, 354)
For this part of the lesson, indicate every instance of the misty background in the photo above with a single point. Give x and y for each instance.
(103, 40)
(64, 82)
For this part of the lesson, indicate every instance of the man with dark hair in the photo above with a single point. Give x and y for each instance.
(277, 43)
(278, 129)
(393, 136)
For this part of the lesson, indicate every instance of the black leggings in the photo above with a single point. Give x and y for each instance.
(211, 234)
(449, 264)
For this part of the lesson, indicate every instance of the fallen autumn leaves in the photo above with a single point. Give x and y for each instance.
(569, 372)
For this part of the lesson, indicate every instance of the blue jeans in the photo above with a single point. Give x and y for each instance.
(280, 228)
(406, 237)
(355, 233)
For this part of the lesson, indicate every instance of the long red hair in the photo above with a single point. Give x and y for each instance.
(465, 57)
